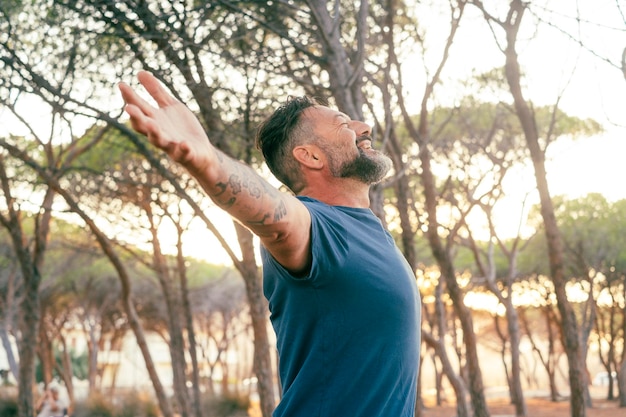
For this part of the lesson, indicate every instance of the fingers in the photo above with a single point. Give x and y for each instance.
(151, 129)
(153, 122)
(155, 89)
(146, 126)
(138, 120)
(132, 98)
(141, 112)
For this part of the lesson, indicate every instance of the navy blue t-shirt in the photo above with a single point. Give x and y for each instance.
(347, 333)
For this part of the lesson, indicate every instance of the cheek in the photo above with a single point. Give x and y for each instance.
(348, 142)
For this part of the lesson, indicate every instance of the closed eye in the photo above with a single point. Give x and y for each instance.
(342, 119)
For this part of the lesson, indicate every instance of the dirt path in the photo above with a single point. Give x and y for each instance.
(537, 407)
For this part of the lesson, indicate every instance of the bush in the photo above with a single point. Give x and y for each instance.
(137, 405)
(133, 404)
(229, 406)
(94, 406)
(8, 406)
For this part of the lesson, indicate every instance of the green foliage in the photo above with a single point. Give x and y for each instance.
(464, 259)
(494, 127)
(200, 272)
(118, 150)
(593, 231)
(80, 366)
(11, 8)
(534, 258)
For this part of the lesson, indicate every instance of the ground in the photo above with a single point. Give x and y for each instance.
(537, 407)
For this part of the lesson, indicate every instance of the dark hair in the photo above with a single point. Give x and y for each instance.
(279, 134)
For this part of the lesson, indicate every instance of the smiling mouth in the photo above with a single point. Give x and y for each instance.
(364, 142)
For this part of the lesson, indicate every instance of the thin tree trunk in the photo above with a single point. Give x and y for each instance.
(513, 326)
(28, 328)
(258, 313)
(188, 316)
(176, 341)
(517, 393)
(8, 348)
(30, 261)
(571, 340)
(92, 353)
(621, 382)
(5, 322)
(455, 379)
(67, 372)
(44, 349)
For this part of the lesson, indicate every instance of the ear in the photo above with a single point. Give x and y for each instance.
(309, 156)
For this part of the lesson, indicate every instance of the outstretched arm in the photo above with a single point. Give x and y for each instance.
(279, 219)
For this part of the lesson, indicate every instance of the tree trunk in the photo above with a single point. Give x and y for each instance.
(8, 348)
(569, 332)
(7, 320)
(30, 261)
(513, 328)
(344, 74)
(546, 361)
(28, 328)
(517, 393)
(455, 379)
(475, 380)
(176, 340)
(188, 317)
(589, 314)
(552, 359)
(92, 353)
(44, 348)
(67, 372)
(258, 313)
(621, 382)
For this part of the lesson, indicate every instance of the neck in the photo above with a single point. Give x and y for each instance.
(349, 194)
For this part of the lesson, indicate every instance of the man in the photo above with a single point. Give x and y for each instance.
(343, 300)
(50, 405)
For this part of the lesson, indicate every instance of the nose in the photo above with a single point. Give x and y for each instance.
(360, 128)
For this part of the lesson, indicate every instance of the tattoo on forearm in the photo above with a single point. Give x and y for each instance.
(281, 211)
(235, 184)
(241, 179)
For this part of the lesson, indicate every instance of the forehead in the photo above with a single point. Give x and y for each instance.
(326, 115)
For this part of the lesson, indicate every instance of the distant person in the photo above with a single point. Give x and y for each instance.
(343, 300)
(50, 405)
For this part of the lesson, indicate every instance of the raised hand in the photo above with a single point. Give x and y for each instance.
(171, 126)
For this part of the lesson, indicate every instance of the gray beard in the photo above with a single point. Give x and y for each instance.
(366, 168)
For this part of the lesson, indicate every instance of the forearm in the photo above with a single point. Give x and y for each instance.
(280, 220)
(242, 192)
